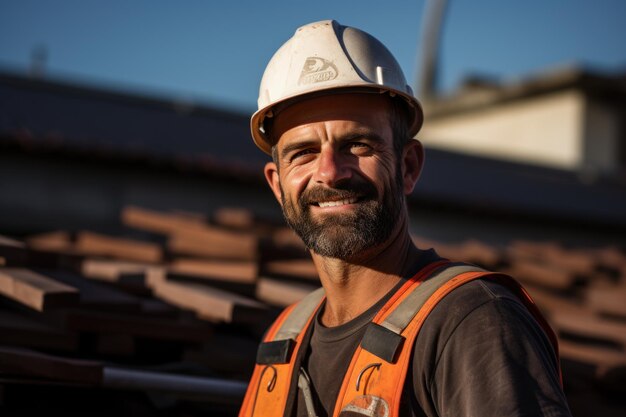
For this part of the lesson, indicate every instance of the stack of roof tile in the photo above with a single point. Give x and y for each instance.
(157, 322)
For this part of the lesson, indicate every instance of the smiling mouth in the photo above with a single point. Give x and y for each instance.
(336, 203)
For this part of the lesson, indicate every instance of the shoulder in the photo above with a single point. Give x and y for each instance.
(481, 340)
(480, 308)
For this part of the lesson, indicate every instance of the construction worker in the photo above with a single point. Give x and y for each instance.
(395, 330)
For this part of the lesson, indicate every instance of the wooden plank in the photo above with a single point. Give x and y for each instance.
(90, 243)
(12, 255)
(590, 328)
(35, 290)
(449, 251)
(607, 299)
(479, 253)
(550, 303)
(285, 237)
(7, 241)
(212, 242)
(611, 257)
(24, 362)
(25, 256)
(236, 277)
(574, 261)
(208, 303)
(234, 218)
(57, 241)
(281, 293)
(155, 221)
(548, 276)
(94, 295)
(292, 268)
(242, 272)
(471, 251)
(157, 328)
(116, 271)
(604, 360)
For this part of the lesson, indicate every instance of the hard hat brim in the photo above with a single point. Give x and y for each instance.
(261, 136)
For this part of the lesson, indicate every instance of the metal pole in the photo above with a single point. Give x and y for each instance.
(208, 389)
(432, 25)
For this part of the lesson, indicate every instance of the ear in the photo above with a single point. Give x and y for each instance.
(271, 175)
(412, 164)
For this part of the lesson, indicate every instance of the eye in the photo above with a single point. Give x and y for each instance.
(300, 154)
(359, 148)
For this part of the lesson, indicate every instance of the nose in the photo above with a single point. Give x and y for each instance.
(332, 167)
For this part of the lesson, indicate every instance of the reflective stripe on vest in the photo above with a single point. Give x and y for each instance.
(375, 378)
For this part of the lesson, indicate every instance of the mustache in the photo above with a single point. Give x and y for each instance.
(343, 190)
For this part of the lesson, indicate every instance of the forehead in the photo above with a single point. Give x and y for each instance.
(362, 109)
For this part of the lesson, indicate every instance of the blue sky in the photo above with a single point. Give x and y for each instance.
(215, 51)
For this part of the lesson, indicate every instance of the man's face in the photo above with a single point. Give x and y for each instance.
(336, 173)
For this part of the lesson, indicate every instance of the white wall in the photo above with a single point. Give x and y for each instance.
(546, 130)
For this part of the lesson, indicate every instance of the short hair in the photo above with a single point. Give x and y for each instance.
(398, 118)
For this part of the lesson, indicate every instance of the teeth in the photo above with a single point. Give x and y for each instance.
(337, 203)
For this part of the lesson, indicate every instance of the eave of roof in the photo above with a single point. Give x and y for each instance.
(479, 93)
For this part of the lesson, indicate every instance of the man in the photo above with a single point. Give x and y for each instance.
(396, 330)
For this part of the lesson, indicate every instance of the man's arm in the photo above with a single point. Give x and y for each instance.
(481, 353)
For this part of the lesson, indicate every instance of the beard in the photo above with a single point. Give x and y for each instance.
(347, 235)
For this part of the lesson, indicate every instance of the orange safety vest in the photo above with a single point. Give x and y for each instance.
(375, 378)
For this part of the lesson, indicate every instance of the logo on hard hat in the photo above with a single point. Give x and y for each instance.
(316, 70)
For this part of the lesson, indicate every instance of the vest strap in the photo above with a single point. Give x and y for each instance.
(385, 340)
(382, 342)
(299, 316)
(400, 318)
(278, 351)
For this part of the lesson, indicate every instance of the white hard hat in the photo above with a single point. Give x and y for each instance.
(326, 57)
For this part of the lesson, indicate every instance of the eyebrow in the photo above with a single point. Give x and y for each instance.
(301, 144)
(361, 133)
(305, 143)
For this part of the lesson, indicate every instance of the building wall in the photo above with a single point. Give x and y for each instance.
(546, 130)
(43, 193)
(602, 133)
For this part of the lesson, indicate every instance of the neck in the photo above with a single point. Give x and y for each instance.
(353, 286)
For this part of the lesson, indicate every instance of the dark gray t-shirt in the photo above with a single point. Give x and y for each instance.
(479, 353)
